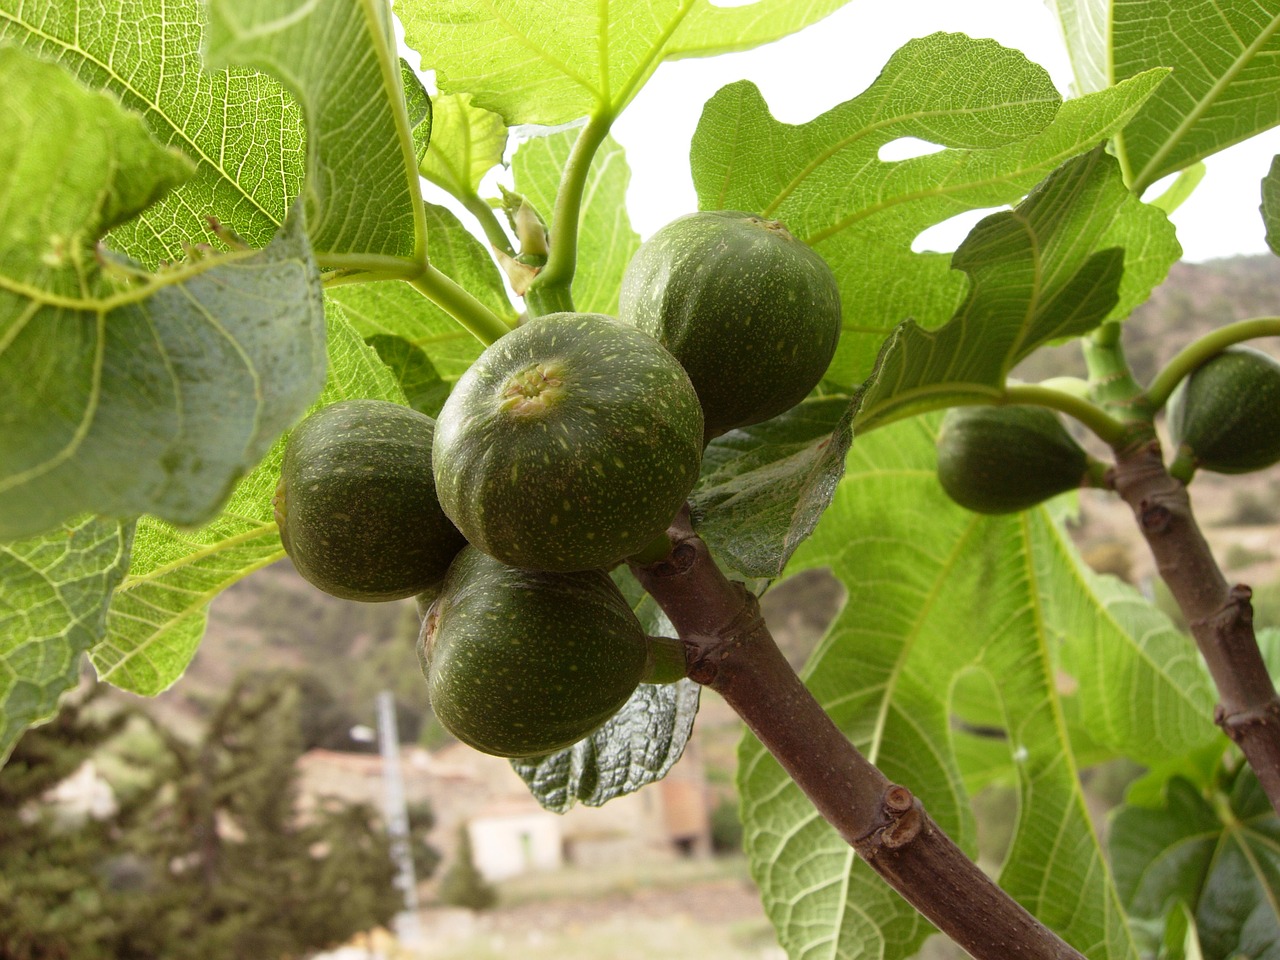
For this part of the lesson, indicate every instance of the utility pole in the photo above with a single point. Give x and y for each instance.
(397, 818)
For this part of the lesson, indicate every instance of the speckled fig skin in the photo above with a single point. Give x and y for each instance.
(1005, 459)
(1225, 417)
(356, 505)
(569, 444)
(520, 662)
(752, 313)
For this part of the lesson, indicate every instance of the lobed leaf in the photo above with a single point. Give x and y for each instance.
(638, 745)
(242, 130)
(424, 389)
(467, 142)
(1224, 86)
(338, 59)
(954, 620)
(157, 616)
(1051, 268)
(1084, 27)
(1141, 688)
(537, 61)
(997, 114)
(54, 590)
(762, 488)
(1054, 267)
(1271, 205)
(156, 401)
(418, 110)
(606, 242)
(60, 195)
(125, 393)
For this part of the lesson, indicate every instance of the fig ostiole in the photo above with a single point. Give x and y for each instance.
(570, 444)
(521, 663)
(1003, 459)
(356, 505)
(752, 313)
(1225, 416)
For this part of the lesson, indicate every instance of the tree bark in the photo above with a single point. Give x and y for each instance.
(1219, 615)
(729, 648)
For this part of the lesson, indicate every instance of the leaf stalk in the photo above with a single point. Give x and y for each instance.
(550, 291)
(450, 297)
(1198, 351)
(1108, 429)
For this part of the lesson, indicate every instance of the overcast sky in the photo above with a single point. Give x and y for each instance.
(834, 60)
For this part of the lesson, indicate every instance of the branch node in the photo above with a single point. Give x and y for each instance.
(1239, 725)
(703, 671)
(1240, 598)
(678, 561)
(1155, 517)
(1238, 608)
(902, 818)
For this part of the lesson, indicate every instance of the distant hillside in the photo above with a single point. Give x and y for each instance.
(1196, 298)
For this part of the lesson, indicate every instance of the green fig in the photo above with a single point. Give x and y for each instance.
(1002, 459)
(570, 444)
(1225, 416)
(356, 504)
(752, 313)
(520, 663)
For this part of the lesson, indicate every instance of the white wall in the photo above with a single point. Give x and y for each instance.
(510, 845)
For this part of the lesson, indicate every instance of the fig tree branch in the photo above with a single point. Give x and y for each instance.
(1219, 614)
(729, 648)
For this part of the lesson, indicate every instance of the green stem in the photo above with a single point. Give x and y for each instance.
(1111, 382)
(384, 267)
(1108, 429)
(486, 325)
(1198, 351)
(666, 662)
(542, 300)
(552, 285)
(489, 223)
(655, 550)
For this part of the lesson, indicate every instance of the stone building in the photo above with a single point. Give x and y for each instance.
(510, 833)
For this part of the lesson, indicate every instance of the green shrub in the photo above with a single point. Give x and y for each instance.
(726, 827)
(463, 885)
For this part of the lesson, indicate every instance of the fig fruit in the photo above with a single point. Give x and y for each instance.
(752, 313)
(520, 663)
(1005, 459)
(356, 505)
(569, 444)
(1225, 416)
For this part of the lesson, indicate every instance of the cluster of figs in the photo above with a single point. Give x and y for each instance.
(566, 449)
(1221, 418)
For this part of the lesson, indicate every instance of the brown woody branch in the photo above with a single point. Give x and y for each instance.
(1219, 615)
(729, 648)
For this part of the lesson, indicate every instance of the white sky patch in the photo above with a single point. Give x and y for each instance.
(834, 60)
